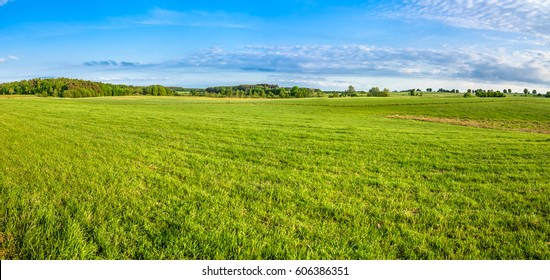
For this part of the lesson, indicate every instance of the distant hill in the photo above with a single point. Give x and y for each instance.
(74, 88)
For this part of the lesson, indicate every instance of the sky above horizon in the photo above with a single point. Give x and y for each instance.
(323, 44)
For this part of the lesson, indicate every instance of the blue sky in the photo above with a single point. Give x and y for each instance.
(323, 44)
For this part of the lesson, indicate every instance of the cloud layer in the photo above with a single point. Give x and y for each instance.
(530, 17)
(111, 63)
(471, 64)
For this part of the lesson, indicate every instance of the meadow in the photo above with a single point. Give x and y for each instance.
(431, 177)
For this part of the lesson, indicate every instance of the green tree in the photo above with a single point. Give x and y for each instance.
(351, 92)
(374, 91)
(295, 91)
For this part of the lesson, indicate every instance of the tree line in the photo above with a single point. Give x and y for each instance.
(485, 93)
(351, 92)
(498, 93)
(442, 90)
(257, 91)
(74, 88)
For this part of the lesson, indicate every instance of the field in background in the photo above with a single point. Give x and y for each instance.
(323, 178)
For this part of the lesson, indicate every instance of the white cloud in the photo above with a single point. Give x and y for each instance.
(163, 17)
(3, 2)
(487, 65)
(112, 63)
(530, 17)
(10, 57)
(155, 17)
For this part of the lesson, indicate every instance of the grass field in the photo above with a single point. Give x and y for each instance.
(192, 178)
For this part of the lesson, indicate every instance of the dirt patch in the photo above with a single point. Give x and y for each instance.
(16, 96)
(6, 246)
(502, 125)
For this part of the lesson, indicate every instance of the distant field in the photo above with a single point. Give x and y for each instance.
(325, 178)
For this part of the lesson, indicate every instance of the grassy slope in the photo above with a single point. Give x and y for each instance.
(190, 178)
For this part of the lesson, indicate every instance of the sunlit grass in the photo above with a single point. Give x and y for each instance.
(197, 178)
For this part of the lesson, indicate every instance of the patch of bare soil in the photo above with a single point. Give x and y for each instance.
(503, 125)
(5, 249)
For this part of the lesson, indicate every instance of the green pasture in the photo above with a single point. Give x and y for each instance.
(320, 178)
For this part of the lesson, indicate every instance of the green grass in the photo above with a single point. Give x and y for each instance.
(196, 178)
